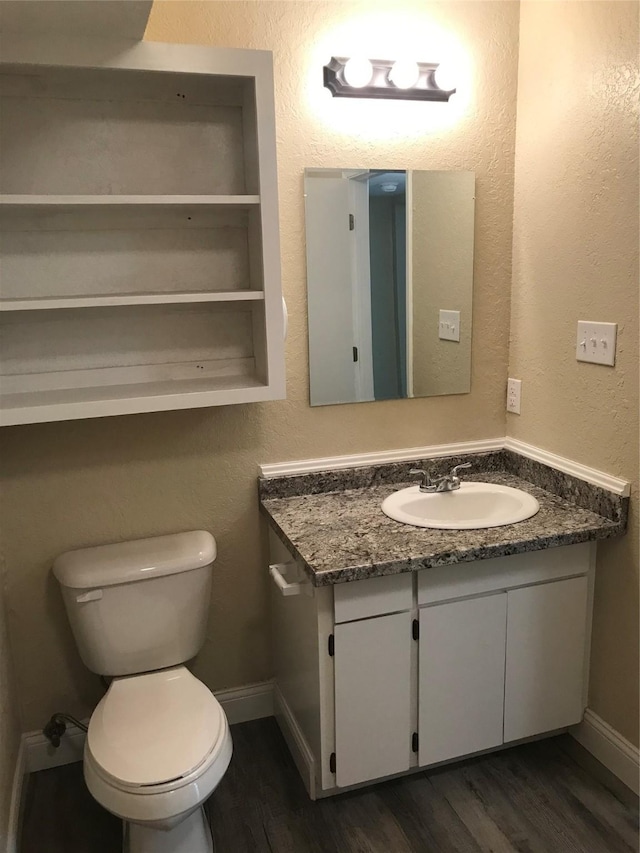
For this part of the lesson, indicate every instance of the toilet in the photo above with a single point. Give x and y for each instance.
(158, 742)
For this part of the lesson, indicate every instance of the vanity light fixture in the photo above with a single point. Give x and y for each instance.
(357, 77)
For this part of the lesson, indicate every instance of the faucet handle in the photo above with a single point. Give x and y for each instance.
(426, 479)
(454, 471)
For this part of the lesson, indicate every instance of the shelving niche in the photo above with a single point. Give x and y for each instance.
(139, 227)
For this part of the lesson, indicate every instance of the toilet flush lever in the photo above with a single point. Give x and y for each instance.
(92, 595)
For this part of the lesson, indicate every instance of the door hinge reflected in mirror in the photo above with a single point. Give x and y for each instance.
(331, 646)
(415, 629)
(352, 222)
(355, 354)
(332, 762)
(414, 742)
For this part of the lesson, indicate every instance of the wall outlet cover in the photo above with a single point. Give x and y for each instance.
(514, 390)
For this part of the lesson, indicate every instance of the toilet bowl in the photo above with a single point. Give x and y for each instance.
(158, 742)
(158, 745)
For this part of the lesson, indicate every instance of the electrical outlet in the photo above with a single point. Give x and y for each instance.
(449, 326)
(514, 389)
(596, 342)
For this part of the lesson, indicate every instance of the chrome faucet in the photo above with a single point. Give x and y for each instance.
(447, 483)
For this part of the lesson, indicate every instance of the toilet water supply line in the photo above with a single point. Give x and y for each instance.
(57, 726)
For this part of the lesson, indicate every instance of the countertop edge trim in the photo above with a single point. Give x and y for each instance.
(357, 460)
(364, 460)
(282, 536)
(331, 577)
(568, 466)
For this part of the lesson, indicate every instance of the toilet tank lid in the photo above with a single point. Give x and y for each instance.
(128, 562)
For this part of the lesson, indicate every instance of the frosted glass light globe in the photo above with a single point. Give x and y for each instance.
(358, 72)
(445, 77)
(404, 73)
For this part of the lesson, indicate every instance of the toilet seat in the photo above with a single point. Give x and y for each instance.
(155, 731)
(147, 727)
(167, 803)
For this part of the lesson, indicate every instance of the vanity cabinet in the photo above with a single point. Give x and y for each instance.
(139, 227)
(381, 676)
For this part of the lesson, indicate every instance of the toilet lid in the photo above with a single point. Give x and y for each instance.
(155, 727)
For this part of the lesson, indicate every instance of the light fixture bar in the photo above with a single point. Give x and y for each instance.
(380, 84)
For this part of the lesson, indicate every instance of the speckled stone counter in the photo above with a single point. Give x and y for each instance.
(333, 522)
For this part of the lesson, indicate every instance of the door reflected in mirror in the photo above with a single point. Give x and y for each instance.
(389, 283)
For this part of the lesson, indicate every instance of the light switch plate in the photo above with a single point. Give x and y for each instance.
(596, 342)
(449, 326)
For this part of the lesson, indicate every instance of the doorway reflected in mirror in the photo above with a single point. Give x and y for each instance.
(388, 251)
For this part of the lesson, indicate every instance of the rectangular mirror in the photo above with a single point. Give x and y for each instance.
(389, 283)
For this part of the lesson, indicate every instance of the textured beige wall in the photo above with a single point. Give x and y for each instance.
(576, 257)
(74, 484)
(9, 728)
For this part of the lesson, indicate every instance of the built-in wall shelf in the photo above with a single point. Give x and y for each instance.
(66, 302)
(62, 201)
(99, 401)
(139, 228)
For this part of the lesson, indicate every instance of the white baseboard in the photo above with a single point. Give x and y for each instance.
(240, 704)
(616, 753)
(256, 701)
(612, 750)
(19, 774)
(296, 741)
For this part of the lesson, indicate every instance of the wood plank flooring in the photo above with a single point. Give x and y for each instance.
(530, 799)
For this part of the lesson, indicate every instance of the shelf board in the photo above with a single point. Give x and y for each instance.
(75, 201)
(108, 300)
(72, 403)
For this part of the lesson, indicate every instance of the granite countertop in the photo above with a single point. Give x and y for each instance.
(342, 534)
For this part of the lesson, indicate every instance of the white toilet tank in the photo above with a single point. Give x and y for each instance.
(138, 606)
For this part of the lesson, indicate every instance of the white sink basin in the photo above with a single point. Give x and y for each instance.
(472, 506)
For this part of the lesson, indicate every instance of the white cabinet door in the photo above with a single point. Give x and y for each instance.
(461, 677)
(372, 698)
(546, 640)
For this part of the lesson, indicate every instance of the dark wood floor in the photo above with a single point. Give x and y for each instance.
(530, 799)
